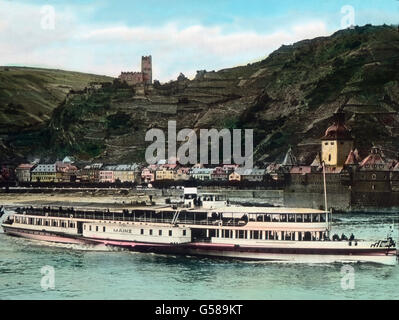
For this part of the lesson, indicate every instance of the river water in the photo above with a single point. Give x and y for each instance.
(82, 273)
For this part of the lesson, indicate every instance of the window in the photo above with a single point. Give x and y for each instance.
(271, 235)
(89, 228)
(96, 228)
(103, 229)
(170, 233)
(184, 233)
(150, 232)
(142, 231)
(329, 157)
(160, 232)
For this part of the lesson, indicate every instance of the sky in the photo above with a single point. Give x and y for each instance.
(110, 36)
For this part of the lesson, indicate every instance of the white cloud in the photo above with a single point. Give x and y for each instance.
(74, 45)
(210, 40)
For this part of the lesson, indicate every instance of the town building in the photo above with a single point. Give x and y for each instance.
(127, 173)
(220, 174)
(166, 172)
(23, 172)
(68, 159)
(45, 173)
(183, 174)
(203, 174)
(91, 173)
(242, 174)
(229, 168)
(276, 171)
(66, 172)
(148, 174)
(7, 172)
(106, 174)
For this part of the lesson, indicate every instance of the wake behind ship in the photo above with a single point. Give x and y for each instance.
(206, 226)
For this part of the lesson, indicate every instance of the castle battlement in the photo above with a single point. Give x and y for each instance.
(143, 77)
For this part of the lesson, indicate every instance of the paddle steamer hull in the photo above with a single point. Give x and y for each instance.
(276, 251)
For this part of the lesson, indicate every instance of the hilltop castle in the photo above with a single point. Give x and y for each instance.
(143, 77)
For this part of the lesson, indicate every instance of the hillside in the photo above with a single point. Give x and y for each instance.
(28, 96)
(288, 99)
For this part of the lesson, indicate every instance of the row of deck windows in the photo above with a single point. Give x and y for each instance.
(290, 218)
(265, 235)
(44, 222)
(170, 232)
(97, 229)
(142, 231)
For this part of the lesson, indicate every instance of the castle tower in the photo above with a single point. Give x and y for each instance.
(146, 69)
(337, 142)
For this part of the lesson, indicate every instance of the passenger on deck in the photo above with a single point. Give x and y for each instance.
(335, 237)
(326, 237)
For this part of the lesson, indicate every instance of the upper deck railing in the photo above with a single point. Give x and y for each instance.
(173, 216)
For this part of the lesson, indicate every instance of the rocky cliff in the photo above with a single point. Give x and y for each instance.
(288, 99)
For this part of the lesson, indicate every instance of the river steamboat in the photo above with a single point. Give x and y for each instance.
(204, 225)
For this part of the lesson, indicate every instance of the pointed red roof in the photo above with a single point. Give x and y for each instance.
(375, 160)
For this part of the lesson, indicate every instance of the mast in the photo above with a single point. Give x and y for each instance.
(325, 195)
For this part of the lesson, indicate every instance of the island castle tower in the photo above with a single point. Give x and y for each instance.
(337, 142)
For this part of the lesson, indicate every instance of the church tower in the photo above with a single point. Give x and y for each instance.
(146, 69)
(337, 142)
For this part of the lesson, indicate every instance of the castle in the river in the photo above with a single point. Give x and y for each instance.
(353, 183)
